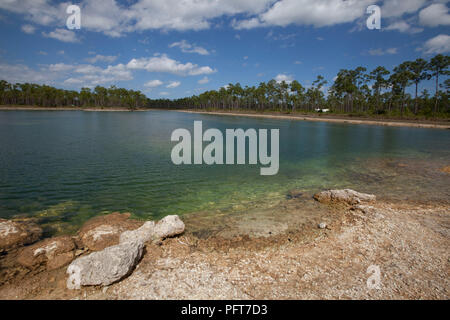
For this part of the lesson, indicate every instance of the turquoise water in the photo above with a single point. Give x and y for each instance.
(67, 166)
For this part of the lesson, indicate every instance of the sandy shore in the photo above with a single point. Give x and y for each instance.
(337, 119)
(439, 124)
(290, 259)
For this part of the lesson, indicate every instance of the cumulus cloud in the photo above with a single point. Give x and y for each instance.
(167, 65)
(319, 13)
(284, 77)
(437, 45)
(101, 58)
(404, 27)
(27, 28)
(435, 15)
(173, 84)
(22, 73)
(204, 80)
(189, 48)
(153, 83)
(115, 18)
(397, 8)
(382, 52)
(63, 35)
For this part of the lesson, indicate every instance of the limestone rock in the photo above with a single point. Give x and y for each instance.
(348, 196)
(53, 253)
(141, 235)
(169, 226)
(104, 231)
(16, 233)
(104, 267)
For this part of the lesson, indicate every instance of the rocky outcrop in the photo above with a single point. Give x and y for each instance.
(53, 253)
(104, 267)
(169, 226)
(104, 231)
(16, 233)
(140, 235)
(116, 262)
(347, 196)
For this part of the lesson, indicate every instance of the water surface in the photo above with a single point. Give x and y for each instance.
(67, 166)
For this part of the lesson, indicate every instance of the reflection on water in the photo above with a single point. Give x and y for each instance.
(65, 167)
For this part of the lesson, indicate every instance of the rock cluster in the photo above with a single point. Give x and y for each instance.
(116, 262)
(17, 233)
(347, 196)
(53, 253)
(104, 231)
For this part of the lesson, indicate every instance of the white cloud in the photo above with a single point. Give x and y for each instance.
(153, 83)
(60, 52)
(63, 35)
(284, 77)
(437, 45)
(189, 14)
(116, 18)
(29, 29)
(382, 52)
(204, 80)
(435, 15)
(165, 64)
(404, 27)
(164, 93)
(297, 62)
(397, 8)
(317, 13)
(173, 84)
(22, 74)
(101, 58)
(189, 48)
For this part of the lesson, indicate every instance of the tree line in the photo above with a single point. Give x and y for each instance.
(379, 91)
(46, 96)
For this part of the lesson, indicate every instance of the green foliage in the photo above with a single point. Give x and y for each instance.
(379, 93)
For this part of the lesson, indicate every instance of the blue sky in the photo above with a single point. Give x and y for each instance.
(169, 48)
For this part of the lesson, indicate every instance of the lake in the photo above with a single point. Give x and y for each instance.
(65, 167)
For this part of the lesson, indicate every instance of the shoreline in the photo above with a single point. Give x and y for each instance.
(346, 120)
(427, 124)
(305, 262)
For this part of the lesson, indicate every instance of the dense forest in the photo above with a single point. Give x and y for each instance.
(378, 92)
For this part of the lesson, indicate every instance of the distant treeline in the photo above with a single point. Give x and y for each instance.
(354, 91)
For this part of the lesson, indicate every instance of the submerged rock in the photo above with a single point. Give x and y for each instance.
(294, 194)
(348, 196)
(104, 267)
(53, 253)
(101, 232)
(16, 233)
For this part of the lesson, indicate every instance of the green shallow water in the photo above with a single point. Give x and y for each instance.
(67, 166)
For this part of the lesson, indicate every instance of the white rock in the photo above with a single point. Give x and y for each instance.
(322, 225)
(104, 267)
(169, 226)
(141, 235)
